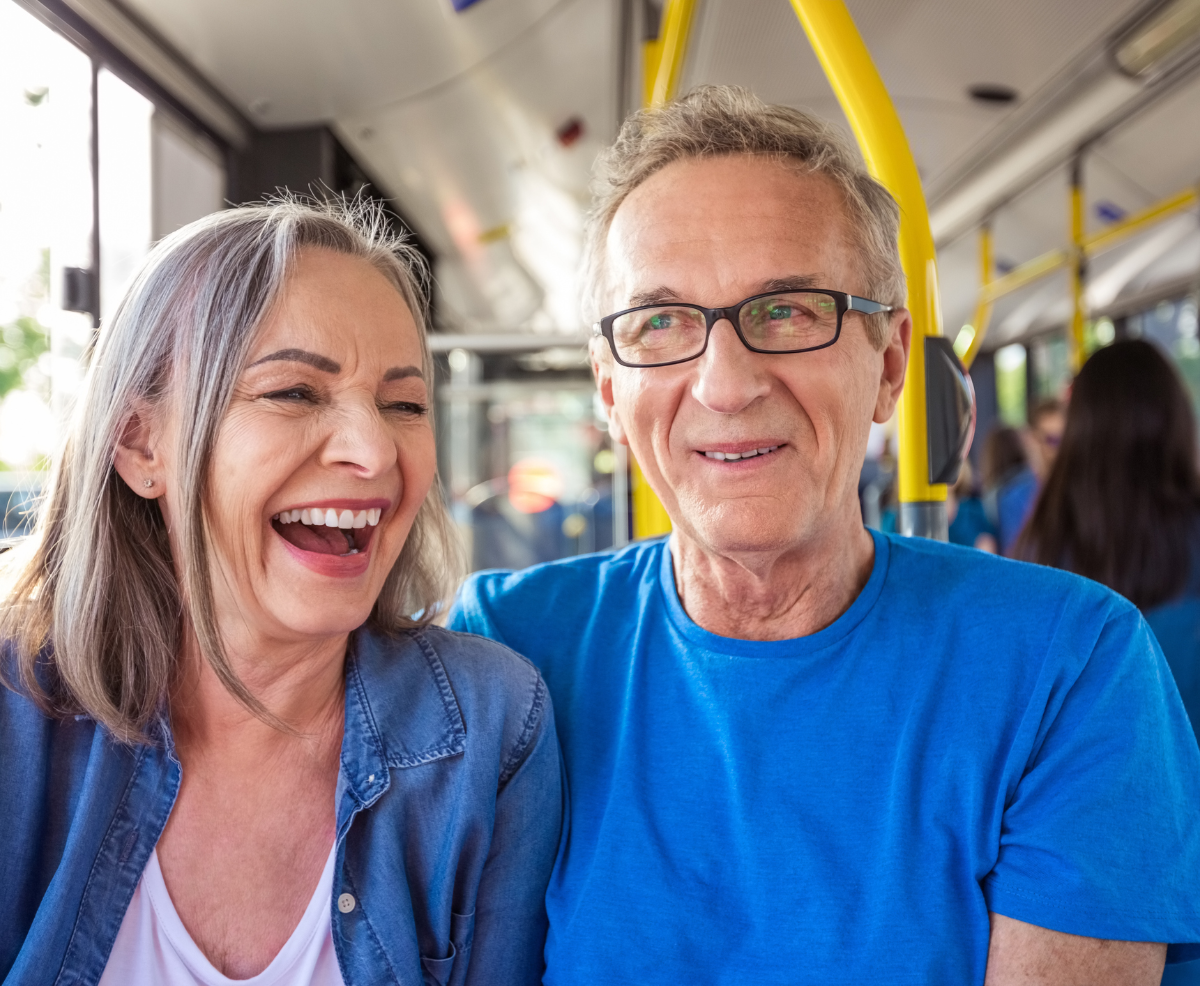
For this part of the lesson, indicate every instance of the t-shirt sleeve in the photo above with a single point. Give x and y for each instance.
(1101, 835)
(470, 612)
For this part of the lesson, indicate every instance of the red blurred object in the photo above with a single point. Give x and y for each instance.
(570, 131)
(533, 486)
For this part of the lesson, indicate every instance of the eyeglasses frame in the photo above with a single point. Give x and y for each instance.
(844, 303)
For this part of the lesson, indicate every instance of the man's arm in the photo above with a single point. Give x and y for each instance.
(1023, 954)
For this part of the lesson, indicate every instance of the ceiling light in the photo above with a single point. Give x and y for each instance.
(1153, 44)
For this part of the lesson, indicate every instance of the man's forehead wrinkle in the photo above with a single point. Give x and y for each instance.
(664, 295)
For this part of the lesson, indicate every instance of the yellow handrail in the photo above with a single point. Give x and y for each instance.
(983, 311)
(1027, 273)
(662, 65)
(663, 57)
(867, 106)
(1078, 268)
(1110, 236)
(1083, 245)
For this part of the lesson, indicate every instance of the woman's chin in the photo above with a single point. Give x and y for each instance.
(321, 620)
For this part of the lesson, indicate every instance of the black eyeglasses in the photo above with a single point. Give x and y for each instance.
(774, 322)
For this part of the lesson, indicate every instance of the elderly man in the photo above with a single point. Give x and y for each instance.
(797, 751)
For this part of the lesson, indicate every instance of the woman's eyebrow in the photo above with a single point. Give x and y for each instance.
(301, 356)
(401, 372)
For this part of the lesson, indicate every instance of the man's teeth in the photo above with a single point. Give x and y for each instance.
(345, 519)
(733, 456)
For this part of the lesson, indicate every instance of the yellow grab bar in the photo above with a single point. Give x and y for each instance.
(1084, 247)
(663, 57)
(1110, 236)
(983, 311)
(662, 65)
(867, 106)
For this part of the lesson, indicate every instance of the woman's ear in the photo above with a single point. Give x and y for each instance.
(137, 458)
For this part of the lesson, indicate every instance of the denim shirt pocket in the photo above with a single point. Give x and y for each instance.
(442, 972)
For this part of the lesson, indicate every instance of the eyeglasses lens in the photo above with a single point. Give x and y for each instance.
(659, 335)
(780, 323)
(787, 322)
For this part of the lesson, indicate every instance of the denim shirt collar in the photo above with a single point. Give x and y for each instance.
(392, 728)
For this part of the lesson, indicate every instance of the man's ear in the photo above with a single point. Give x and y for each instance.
(895, 364)
(602, 367)
(136, 455)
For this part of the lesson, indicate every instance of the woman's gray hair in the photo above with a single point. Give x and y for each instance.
(715, 121)
(95, 605)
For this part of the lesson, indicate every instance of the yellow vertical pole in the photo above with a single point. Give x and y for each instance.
(1078, 266)
(662, 69)
(983, 311)
(662, 65)
(867, 106)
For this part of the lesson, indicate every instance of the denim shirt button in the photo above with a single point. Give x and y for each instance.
(346, 903)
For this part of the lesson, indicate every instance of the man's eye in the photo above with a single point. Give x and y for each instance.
(659, 322)
(778, 312)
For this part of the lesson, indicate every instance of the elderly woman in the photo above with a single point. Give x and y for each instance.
(228, 751)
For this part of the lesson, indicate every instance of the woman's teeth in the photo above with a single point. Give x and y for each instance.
(316, 517)
(733, 456)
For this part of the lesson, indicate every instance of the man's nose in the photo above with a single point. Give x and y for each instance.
(728, 376)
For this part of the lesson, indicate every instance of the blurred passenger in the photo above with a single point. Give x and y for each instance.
(1003, 457)
(798, 750)
(1044, 435)
(1017, 490)
(1122, 502)
(1005, 469)
(228, 750)
(969, 524)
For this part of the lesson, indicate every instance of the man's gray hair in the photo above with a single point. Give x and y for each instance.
(715, 121)
(95, 604)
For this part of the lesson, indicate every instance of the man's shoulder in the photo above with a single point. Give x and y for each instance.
(505, 604)
(996, 589)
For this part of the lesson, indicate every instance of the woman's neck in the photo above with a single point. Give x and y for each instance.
(303, 686)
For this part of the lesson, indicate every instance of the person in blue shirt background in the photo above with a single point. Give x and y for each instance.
(969, 523)
(1017, 492)
(798, 751)
(1122, 506)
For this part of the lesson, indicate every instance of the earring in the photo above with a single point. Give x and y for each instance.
(147, 483)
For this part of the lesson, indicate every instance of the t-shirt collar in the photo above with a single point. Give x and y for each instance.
(812, 643)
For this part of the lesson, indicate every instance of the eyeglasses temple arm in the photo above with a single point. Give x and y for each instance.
(866, 305)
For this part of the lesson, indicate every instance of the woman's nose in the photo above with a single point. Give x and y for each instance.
(359, 439)
(728, 376)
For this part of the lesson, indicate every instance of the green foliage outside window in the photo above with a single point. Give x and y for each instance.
(22, 341)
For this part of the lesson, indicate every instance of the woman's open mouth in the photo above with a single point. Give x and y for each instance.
(327, 530)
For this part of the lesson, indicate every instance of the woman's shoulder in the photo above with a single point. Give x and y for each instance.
(453, 681)
(478, 662)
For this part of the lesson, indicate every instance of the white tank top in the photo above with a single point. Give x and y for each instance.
(153, 946)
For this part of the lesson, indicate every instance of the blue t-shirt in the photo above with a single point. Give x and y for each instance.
(971, 734)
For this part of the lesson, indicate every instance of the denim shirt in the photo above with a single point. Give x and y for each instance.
(449, 807)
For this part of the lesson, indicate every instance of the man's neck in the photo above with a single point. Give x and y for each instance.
(772, 595)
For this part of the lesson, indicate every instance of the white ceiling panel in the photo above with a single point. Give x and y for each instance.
(455, 115)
